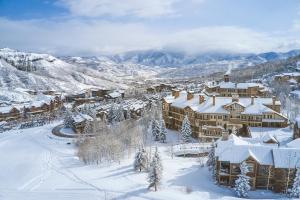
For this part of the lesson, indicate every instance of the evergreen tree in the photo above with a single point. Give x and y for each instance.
(88, 128)
(120, 113)
(140, 161)
(68, 120)
(242, 185)
(155, 171)
(162, 131)
(186, 130)
(112, 114)
(295, 191)
(155, 130)
(211, 161)
(128, 114)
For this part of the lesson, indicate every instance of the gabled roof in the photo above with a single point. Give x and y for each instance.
(268, 138)
(259, 107)
(295, 143)
(286, 157)
(231, 85)
(235, 102)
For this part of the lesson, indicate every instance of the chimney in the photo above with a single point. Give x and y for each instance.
(252, 100)
(235, 98)
(175, 93)
(226, 77)
(214, 100)
(201, 98)
(190, 95)
(273, 100)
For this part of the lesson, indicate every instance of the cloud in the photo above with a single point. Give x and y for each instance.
(138, 8)
(94, 37)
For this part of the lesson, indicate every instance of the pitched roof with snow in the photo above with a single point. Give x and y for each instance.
(237, 150)
(286, 157)
(231, 85)
(259, 106)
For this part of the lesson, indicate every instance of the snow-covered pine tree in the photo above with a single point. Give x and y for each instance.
(242, 185)
(88, 128)
(163, 131)
(295, 191)
(128, 114)
(155, 129)
(186, 130)
(112, 114)
(68, 120)
(140, 160)
(120, 113)
(155, 171)
(211, 160)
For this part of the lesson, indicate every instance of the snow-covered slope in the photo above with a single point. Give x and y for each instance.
(43, 71)
(40, 166)
(166, 58)
(108, 66)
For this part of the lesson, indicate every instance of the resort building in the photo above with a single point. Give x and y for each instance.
(271, 166)
(226, 88)
(211, 115)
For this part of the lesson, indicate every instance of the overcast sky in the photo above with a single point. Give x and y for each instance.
(93, 27)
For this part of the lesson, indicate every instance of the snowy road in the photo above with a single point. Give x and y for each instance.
(37, 167)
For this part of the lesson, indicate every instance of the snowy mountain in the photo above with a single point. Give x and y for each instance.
(106, 65)
(174, 59)
(44, 72)
(69, 74)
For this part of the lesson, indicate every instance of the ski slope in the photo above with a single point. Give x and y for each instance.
(38, 166)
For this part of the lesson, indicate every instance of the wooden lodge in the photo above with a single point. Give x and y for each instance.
(270, 167)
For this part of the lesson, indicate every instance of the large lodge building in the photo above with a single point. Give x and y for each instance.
(211, 115)
(226, 88)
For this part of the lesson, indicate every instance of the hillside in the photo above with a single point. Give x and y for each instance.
(45, 72)
(265, 69)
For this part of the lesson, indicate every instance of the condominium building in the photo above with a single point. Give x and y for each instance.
(226, 88)
(211, 115)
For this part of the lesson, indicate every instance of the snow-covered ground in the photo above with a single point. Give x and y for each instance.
(35, 165)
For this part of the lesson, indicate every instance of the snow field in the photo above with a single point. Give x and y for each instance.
(36, 166)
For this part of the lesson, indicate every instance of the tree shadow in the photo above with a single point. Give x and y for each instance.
(200, 180)
(134, 193)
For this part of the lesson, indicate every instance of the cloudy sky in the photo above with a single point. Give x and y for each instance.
(93, 27)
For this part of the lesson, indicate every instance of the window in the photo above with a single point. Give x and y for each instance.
(236, 169)
(250, 167)
(263, 170)
(225, 166)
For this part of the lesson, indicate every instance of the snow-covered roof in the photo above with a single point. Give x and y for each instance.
(294, 143)
(280, 134)
(286, 157)
(81, 117)
(293, 74)
(269, 138)
(115, 94)
(259, 106)
(227, 151)
(231, 85)
(7, 109)
(279, 156)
